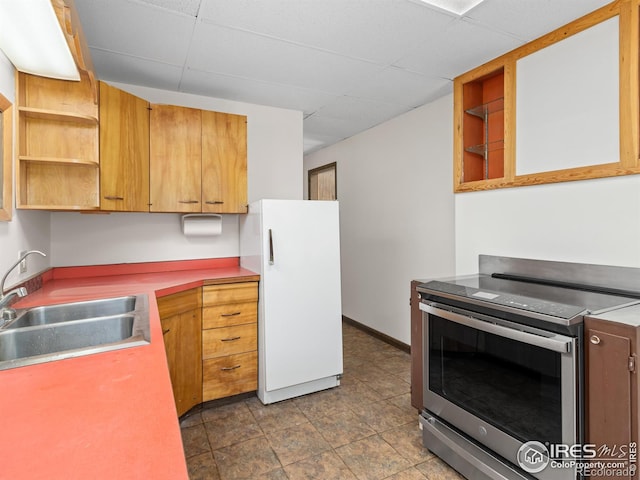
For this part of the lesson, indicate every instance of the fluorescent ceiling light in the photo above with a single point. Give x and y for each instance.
(31, 37)
(459, 7)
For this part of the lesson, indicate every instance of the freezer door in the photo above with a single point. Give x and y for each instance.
(302, 321)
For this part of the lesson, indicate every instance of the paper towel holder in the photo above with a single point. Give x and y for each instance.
(201, 224)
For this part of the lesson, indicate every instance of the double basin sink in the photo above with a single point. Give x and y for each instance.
(49, 333)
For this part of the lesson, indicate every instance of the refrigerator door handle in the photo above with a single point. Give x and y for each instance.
(271, 259)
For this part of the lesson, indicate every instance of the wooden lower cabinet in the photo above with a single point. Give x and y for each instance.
(416, 347)
(211, 341)
(181, 320)
(611, 384)
(229, 339)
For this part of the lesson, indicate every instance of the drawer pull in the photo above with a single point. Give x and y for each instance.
(595, 339)
(112, 197)
(164, 332)
(214, 202)
(188, 201)
(226, 369)
(229, 339)
(230, 314)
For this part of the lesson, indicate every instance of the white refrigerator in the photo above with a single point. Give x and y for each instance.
(295, 247)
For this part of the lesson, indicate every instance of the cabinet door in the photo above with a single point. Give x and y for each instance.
(124, 151)
(181, 320)
(416, 348)
(224, 163)
(608, 384)
(175, 159)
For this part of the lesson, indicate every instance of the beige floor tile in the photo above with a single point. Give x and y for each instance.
(326, 466)
(278, 474)
(403, 402)
(383, 415)
(202, 467)
(276, 416)
(230, 424)
(372, 458)
(407, 441)
(342, 428)
(195, 441)
(321, 404)
(190, 420)
(358, 393)
(409, 474)
(297, 443)
(387, 385)
(246, 460)
(365, 429)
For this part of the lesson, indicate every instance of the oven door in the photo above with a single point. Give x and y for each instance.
(501, 383)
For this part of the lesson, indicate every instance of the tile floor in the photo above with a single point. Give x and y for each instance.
(365, 429)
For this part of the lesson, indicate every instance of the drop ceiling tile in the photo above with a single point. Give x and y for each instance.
(361, 111)
(319, 126)
(136, 71)
(252, 91)
(463, 46)
(187, 7)
(398, 86)
(374, 30)
(312, 141)
(232, 52)
(530, 19)
(136, 29)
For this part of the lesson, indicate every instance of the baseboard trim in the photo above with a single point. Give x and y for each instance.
(379, 335)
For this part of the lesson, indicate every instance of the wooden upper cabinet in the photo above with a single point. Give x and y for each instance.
(175, 159)
(124, 151)
(541, 113)
(224, 163)
(479, 119)
(57, 144)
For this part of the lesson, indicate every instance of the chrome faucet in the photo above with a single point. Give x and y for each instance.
(7, 313)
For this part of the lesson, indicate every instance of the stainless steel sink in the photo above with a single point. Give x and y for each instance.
(45, 334)
(74, 311)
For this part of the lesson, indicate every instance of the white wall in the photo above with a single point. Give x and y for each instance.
(274, 147)
(592, 221)
(396, 213)
(28, 230)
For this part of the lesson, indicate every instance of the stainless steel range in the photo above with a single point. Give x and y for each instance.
(503, 364)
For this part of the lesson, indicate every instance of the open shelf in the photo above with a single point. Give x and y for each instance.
(484, 110)
(58, 115)
(481, 138)
(56, 160)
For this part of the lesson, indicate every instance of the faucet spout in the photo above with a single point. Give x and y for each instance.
(4, 278)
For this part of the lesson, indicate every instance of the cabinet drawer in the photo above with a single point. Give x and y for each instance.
(229, 293)
(217, 342)
(229, 314)
(179, 302)
(229, 375)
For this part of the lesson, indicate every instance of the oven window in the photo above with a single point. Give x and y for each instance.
(508, 384)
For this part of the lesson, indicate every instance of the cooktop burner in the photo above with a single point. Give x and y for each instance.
(555, 301)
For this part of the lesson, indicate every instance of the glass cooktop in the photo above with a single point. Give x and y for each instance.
(556, 301)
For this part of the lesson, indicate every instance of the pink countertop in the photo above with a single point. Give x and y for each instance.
(108, 415)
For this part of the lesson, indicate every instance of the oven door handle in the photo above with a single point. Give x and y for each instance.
(556, 343)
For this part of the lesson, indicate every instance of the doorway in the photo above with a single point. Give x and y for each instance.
(323, 183)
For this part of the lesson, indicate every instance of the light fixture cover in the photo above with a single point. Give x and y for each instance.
(458, 7)
(31, 37)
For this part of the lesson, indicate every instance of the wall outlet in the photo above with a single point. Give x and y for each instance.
(23, 263)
